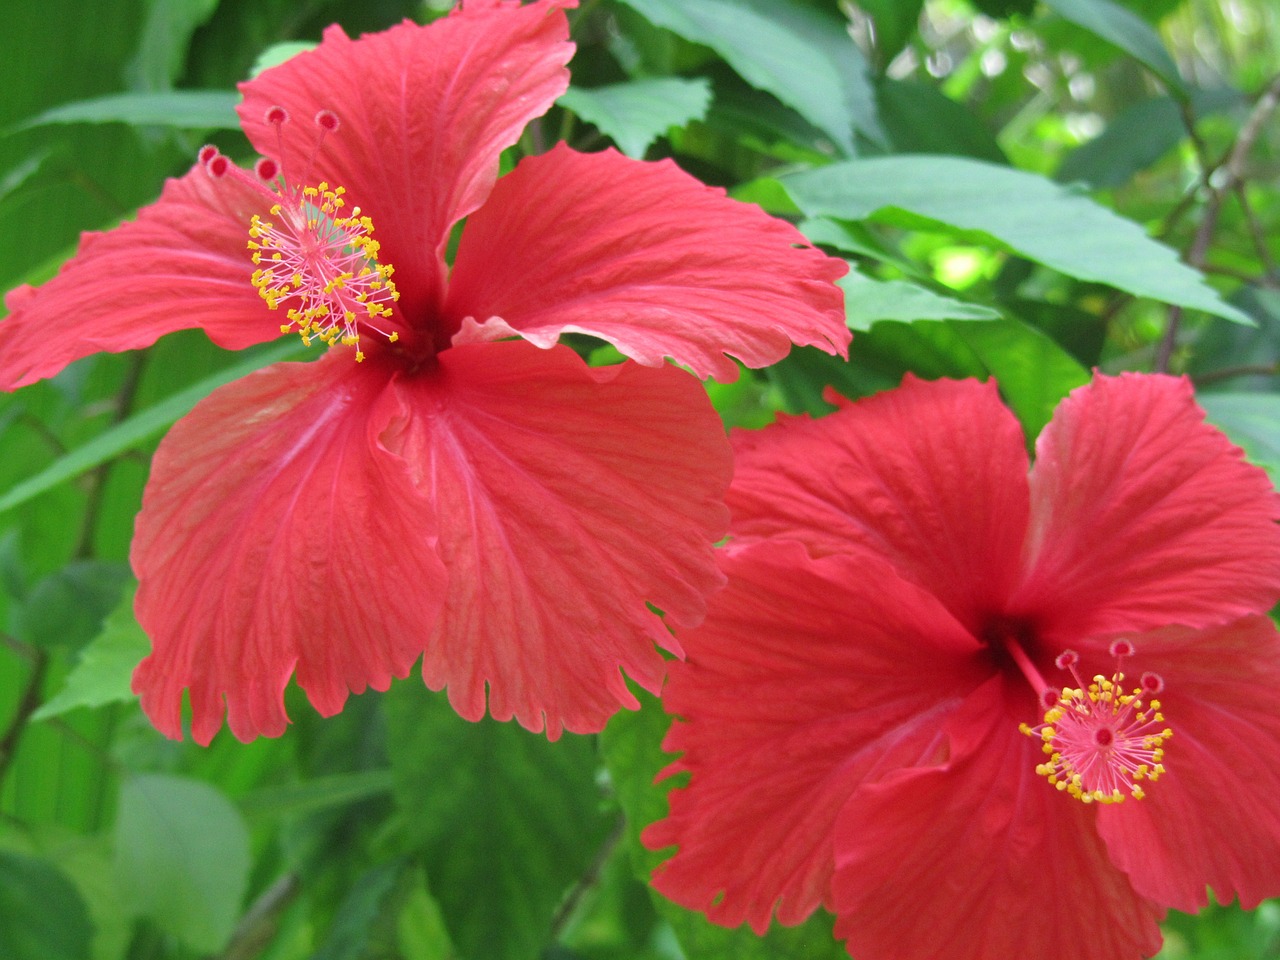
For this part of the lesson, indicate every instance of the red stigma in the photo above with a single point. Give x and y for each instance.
(266, 169)
(327, 121)
(207, 153)
(218, 166)
(277, 116)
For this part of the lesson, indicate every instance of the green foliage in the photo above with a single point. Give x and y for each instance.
(636, 113)
(182, 858)
(42, 916)
(504, 821)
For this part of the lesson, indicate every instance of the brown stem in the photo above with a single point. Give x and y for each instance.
(1232, 169)
(1245, 370)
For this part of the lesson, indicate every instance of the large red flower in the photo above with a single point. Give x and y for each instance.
(907, 602)
(500, 506)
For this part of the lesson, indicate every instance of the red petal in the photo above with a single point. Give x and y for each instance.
(568, 497)
(1212, 818)
(1143, 515)
(808, 678)
(981, 858)
(275, 533)
(183, 263)
(646, 257)
(424, 114)
(931, 476)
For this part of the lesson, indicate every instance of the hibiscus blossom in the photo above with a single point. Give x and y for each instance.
(445, 481)
(980, 711)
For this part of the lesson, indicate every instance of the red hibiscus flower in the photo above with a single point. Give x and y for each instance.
(468, 491)
(906, 603)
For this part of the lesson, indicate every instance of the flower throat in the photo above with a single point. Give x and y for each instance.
(314, 257)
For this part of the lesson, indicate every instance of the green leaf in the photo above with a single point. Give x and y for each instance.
(278, 53)
(895, 23)
(801, 55)
(1010, 209)
(1126, 30)
(1251, 420)
(867, 301)
(105, 668)
(505, 821)
(66, 608)
(359, 911)
(1136, 138)
(182, 856)
(42, 916)
(1033, 371)
(316, 794)
(636, 113)
(920, 118)
(140, 427)
(166, 36)
(185, 109)
(633, 754)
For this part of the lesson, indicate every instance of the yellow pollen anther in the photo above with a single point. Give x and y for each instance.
(1100, 741)
(324, 265)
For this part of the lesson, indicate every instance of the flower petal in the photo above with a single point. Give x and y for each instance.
(646, 257)
(1143, 515)
(808, 678)
(424, 114)
(275, 534)
(982, 858)
(568, 497)
(183, 263)
(931, 476)
(1211, 819)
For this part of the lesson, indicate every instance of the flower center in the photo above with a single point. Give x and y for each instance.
(1102, 742)
(322, 264)
(314, 257)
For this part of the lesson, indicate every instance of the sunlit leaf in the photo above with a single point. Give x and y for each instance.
(1012, 209)
(166, 34)
(802, 56)
(636, 113)
(867, 301)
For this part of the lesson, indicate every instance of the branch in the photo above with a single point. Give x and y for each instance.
(28, 703)
(1232, 168)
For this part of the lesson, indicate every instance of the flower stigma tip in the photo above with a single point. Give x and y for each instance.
(318, 259)
(1102, 743)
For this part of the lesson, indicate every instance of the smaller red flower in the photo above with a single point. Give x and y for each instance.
(972, 707)
(499, 509)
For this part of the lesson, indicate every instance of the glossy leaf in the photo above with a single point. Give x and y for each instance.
(802, 56)
(1010, 209)
(867, 301)
(636, 113)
